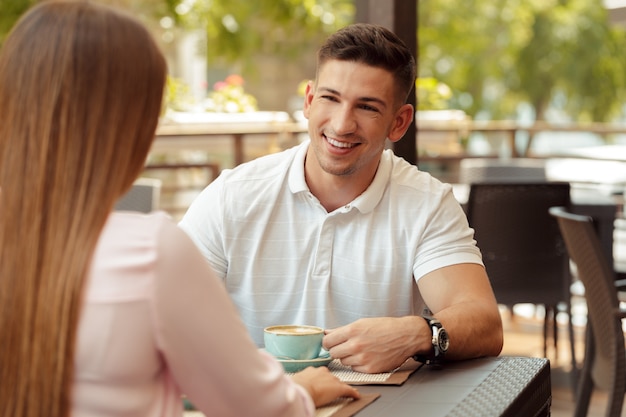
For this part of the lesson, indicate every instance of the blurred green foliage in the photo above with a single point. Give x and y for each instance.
(493, 54)
(551, 54)
(432, 94)
(10, 11)
(240, 30)
(178, 95)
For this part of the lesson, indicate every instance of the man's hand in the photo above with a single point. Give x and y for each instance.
(374, 345)
(460, 296)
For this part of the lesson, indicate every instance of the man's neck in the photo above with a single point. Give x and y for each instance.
(333, 194)
(334, 191)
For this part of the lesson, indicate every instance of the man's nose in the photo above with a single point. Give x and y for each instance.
(343, 121)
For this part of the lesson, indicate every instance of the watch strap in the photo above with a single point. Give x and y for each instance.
(433, 359)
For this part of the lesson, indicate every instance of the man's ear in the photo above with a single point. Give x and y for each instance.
(404, 117)
(309, 92)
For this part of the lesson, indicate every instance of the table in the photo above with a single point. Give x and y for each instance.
(503, 386)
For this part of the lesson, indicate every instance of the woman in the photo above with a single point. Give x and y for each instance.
(100, 313)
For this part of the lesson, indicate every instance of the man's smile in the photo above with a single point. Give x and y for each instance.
(338, 144)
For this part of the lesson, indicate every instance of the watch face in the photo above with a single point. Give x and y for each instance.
(444, 341)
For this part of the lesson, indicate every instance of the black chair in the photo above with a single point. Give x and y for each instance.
(604, 364)
(523, 249)
(475, 170)
(142, 197)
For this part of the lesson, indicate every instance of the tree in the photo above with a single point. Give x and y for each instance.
(495, 54)
(575, 53)
(271, 43)
(238, 31)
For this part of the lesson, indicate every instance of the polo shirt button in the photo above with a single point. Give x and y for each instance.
(347, 206)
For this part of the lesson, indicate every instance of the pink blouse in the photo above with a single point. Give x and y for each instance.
(157, 323)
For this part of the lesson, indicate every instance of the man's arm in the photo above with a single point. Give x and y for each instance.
(460, 296)
(203, 224)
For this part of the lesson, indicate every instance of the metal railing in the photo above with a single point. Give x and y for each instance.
(511, 129)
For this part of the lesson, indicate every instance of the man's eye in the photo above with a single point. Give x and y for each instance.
(368, 108)
(331, 98)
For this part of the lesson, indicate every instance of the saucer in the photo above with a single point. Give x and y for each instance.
(295, 365)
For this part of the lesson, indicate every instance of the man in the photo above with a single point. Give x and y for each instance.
(340, 233)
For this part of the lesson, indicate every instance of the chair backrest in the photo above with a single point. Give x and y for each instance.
(594, 271)
(143, 196)
(521, 244)
(473, 170)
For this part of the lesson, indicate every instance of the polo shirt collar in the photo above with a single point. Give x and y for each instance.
(365, 202)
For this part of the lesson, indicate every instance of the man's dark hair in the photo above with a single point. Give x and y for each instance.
(373, 45)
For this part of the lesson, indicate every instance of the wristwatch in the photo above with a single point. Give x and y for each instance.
(440, 343)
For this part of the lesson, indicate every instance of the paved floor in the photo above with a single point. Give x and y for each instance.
(524, 336)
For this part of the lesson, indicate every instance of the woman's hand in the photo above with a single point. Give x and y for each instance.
(323, 386)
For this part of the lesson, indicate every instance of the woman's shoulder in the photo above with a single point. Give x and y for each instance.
(128, 234)
(141, 246)
(129, 225)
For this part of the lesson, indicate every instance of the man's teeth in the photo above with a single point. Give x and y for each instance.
(340, 144)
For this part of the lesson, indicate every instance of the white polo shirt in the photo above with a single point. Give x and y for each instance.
(285, 259)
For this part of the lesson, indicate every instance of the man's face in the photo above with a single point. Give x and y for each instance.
(352, 111)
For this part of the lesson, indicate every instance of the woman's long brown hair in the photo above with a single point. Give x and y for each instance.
(81, 87)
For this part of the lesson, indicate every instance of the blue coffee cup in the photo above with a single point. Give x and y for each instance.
(293, 341)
